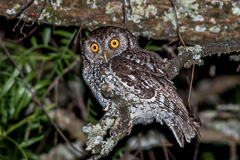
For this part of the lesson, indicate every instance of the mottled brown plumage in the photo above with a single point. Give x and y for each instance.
(137, 76)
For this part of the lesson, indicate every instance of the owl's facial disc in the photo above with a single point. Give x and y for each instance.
(105, 54)
(104, 43)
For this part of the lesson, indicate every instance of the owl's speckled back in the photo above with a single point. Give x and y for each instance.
(112, 58)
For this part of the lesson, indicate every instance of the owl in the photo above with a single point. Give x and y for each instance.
(113, 58)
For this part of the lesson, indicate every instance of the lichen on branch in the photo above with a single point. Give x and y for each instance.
(194, 54)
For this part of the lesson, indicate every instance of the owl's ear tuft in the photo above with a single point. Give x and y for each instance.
(132, 40)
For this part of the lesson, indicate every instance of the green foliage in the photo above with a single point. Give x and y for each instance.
(91, 112)
(151, 47)
(22, 122)
(207, 156)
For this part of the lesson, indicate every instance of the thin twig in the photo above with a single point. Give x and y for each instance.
(124, 13)
(233, 151)
(35, 99)
(196, 150)
(41, 10)
(176, 17)
(164, 147)
(42, 143)
(78, 35)
(140, 145)
(22, 8)
(190, 89)
(151, 155)
(24, 37)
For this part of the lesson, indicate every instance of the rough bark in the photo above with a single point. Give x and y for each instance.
(200, 21)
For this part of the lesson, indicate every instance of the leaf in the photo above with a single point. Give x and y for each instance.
(26, 98)
(3, 111)
(7, 86)
(34, 125)
(46, 35)
(18, 146)
(65, 41)
(149, 46)
(28, 67)
(11, 110)
(30, 76)
(31, 155)
(63, 33)
(41, 84)
(31, 141)
(18, 95)
(33, 41)
(70, 52)
(66, 61)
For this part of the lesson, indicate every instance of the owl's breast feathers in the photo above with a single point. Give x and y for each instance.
(146, 82)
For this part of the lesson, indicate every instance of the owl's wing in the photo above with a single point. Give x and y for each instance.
(146, 73)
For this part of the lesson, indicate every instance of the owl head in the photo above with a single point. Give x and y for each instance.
(106, 42)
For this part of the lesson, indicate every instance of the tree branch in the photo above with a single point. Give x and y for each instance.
(189, 55)
(200, 21)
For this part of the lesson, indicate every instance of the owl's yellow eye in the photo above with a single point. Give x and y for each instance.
(114, 43)
(94, 47)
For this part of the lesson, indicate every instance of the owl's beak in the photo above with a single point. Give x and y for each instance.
(105, 54)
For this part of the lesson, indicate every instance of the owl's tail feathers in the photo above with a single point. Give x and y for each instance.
(184, 127)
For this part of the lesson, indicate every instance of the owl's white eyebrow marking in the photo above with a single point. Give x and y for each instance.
(131, 76)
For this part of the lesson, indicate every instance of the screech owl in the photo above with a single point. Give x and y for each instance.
(112, 57)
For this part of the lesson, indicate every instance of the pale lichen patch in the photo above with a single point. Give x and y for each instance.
(148, 34)
(187, 8)
(113, 8)
(108, 145)
(215, 29)
(235, 8)
(92, 4)
(198, 18)
(13, 10)
(213, 20)
(141, 10)
(196, 55)
(200, 28)
(45, 14)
